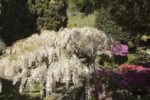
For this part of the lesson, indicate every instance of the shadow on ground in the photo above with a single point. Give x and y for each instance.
(33, 96)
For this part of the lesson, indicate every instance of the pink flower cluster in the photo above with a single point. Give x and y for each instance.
(133, 78)
(128, 67)
(120, 49)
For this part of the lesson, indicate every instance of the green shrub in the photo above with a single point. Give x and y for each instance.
(142, 57)
(51, 14)
(20, 18)
(126, 20)
(105, 23)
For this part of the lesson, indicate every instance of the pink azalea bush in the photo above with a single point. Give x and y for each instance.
(128, 67)
(120, 49)
(131, 78)
(134, 75)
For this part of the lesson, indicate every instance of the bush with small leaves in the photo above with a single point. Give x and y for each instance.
(51, 14)
(125, 20)
(142, 57)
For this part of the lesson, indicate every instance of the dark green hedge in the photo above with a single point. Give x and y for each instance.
(21, 18)
(16, 20)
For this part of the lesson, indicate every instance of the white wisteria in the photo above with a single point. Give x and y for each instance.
(51, 57)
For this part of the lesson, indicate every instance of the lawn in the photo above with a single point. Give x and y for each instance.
(79, 20)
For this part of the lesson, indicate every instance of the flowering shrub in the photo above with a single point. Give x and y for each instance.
(120, 49)
(129, 79)
(145, 38)
(134, 76)
(128, 67)
(143, 57)
(104, 81)
(54, 58)
(136, 79)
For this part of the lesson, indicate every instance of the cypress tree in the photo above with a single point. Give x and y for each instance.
(51, 14)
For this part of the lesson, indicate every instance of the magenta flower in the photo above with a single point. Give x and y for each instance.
(128, 67)
(120, 49)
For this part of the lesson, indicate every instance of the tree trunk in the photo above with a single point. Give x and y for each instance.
(16, 91)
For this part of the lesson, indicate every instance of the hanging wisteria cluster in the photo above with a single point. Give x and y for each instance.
(52, 57)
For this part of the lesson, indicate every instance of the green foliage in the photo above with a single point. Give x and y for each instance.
(36, 87)
(126, 20)
(85, 6)
(80, 21)
(132, 15)
(16, 20)
(51, 14)
(142, 57)
(2, 46)
(105, 23)
(131, 58)
(20, 18)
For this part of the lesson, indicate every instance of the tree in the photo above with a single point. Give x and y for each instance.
(64, 57)
(131, 16)
(21, 18)
(51, 14)
(84, 6)
(16, 20)
(129, 19)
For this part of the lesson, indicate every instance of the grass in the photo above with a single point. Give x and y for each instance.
(119, 60)
(131, 57)
(81, 21)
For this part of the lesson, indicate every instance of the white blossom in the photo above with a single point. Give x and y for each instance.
(53, 57)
